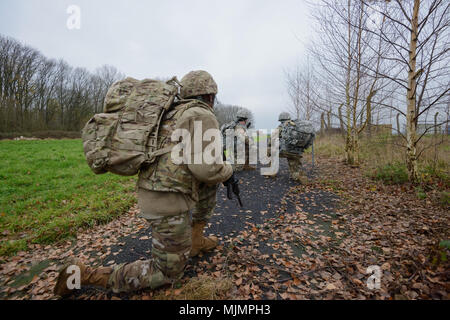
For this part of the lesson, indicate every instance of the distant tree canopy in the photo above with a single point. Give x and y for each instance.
(39, 94)
(227, 113)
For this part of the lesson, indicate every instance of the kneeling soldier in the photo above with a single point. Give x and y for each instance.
(167, 193)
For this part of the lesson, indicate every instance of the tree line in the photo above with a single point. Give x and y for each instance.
(42, 94)
(38, 94)
(376, 57)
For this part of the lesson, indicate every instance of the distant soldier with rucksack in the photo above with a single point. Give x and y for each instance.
(136, 135)
(295, 137)
(238, 130)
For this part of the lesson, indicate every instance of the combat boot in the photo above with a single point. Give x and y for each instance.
(201, 243)
(300, 178)
(88, 277)
(303, 180)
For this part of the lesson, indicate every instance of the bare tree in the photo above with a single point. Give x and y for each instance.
(417, 35)
(300, 84)
(37, 93)
(348, 89)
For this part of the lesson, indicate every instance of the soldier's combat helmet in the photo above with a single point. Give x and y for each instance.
(197, 83)
(241, 114)
(284, 116)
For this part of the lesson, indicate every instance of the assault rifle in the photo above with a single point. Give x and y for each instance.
(232, 186)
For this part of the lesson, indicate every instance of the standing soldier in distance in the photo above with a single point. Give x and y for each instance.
(167, 192)
(242, 141)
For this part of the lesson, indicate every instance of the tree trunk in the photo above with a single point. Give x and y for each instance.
(349, 152)
(435, 137)
(411, 115)
(341, 121)
(322, 123)
(329, 121)
(369, 113)
(353, 152)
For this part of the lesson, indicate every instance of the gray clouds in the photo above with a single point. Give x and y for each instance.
(245, 45)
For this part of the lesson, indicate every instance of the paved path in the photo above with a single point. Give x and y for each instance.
(262, 198)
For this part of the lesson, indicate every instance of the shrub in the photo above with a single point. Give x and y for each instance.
(444, 199)
(394, 173)
(421, 193)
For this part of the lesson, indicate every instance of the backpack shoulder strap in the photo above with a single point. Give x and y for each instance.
(179, 107)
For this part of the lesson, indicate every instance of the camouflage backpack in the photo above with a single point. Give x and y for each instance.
(124, 137)
(296, 136)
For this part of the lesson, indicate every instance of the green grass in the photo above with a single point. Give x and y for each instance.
(393, 173)
(48, 192)
(383, 157)
(444, 198)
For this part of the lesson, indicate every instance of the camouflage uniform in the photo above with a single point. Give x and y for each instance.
(167, 193)
(242, 142)
(206, 204)
(294, 158)
(295, 165)
(172, 234)
(171, 243)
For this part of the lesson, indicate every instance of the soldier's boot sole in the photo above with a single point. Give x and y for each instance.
(61, 288)
(88, 276)
(301, 179)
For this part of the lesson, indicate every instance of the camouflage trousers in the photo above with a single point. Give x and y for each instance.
(171, 244)
(295, 165)
(207, 203)
(239, 167)
(242, 167)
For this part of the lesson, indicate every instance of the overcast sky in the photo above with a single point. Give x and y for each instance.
(246, 45)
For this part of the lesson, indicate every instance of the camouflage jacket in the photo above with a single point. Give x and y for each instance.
(164, 175)
(238, 135)
(242, 134)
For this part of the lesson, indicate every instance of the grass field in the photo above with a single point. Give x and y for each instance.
(48, 192)
(382, 150)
